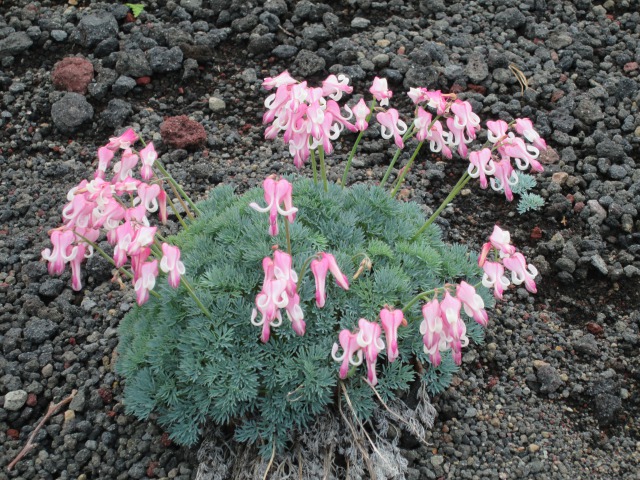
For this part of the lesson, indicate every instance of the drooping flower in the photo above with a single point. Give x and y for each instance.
(277, 193)
(521, 272)
(465, 118)
(105, 155)
(269, 302)
(472, 303)
(334, 87)
(392, 126)
(123, 237)
(146, 282)
(494, 277)
(524, 127)
(143, 237)
(422, 124)
(282, 270)
(504, 178)
(62, 240)
(148, 155)
(171, 264)
(497, 130)
(438, 139)
(457, 137)
(124, 141)
(391, 320)
(78, 212)
(361, 111)
(370, 342)
(351, 352)
(431, 328)
(380, 91)
(524, 155)
(76, 257)
(283, 79)
(148, 196)
(501, 240)
(296, 315)
(327, 262)
(124, 167)
(481, 165)
(453, 326)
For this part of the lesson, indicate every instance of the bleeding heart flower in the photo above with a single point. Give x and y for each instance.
(391, 320)
(334, 87)
(124, 141)
(351, 352)
(392, 126)
(171, 264)
(277, 193)
(370, 342)
(146, 282)
(472, 302)
(320, 268)
(380, 91)
(521, 272)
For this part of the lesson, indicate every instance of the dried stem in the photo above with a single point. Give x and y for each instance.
(53, 408)
(273, 456)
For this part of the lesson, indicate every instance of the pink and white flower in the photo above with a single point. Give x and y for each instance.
(380, 91)
(148, 155)
(361, 111)
(521, 272)
(277, 193)
(494, 278)
(171, 264)
(481, 165)
(391, 320)
(146, 282)
(105, 155)
(433, 335)
(333, 87)
(63, 252)
(124, 141)
(524, 127)
(392, 126)
(472, 303)
(327, 262)
(351, 352)
(370, 342)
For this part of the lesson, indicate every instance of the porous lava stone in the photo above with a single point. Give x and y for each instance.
(182, 132)
(72, 74)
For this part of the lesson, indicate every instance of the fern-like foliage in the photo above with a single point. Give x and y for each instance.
(530, 201)
(187, 369)
(525, 183)
(136, 8)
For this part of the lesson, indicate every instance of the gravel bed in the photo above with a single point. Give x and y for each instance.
(553, 393)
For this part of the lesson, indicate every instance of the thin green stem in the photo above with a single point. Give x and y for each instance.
(288, 234)
(193, 295)
(314, 167)
(372, 105)
(323, 168)
(406, 170)
(175, 210)
(305, 265)
(408, 134)
(456, 189)
(177, 186)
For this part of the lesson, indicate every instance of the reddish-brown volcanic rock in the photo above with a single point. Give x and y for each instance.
(181, 132)
(72, 74)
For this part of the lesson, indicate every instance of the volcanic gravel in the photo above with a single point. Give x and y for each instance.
(554, 391)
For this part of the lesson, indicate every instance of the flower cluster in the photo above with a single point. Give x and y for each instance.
(508, 146)
(309, 117)
(280, 285)
(508, 257)
(100, 205)
(442, 326)
(366, 342)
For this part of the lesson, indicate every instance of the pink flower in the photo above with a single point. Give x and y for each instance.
(391, 320)
(472, 302)
(269, 302)
(124, 141)
(104, 158)
(171, 264)
(351, 352)
(108, 216)
(422, 124)
(282, 270)
(481, 165)
(146, 282)
(494, 277)
(79, 212)
(431, 328)
(438, 139)
(320, 268)
(369, 340)
(525, 128)
(148, 196)
(521, 272)
(457, 137)
(453, 326)
(524, 154)
(504, 178)
(418, 95)
(124, 236)
(124, 168)
(361, 112)
(380, 91)
(148, 156)
(77, 256)
(296, 315)
(137, 261)
(501, 240)
(334, 87)
(277, 193)
(62, 241)
(334, 109)
(392, 126)
(465, 118)
(143, 237)
(283, 79)
(497, 130)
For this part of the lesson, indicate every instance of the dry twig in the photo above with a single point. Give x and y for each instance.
(522, 80)
(53, 408)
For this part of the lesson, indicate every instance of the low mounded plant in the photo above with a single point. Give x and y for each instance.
(257, 309)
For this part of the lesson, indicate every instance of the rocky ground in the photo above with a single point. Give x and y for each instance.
(554, 393)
